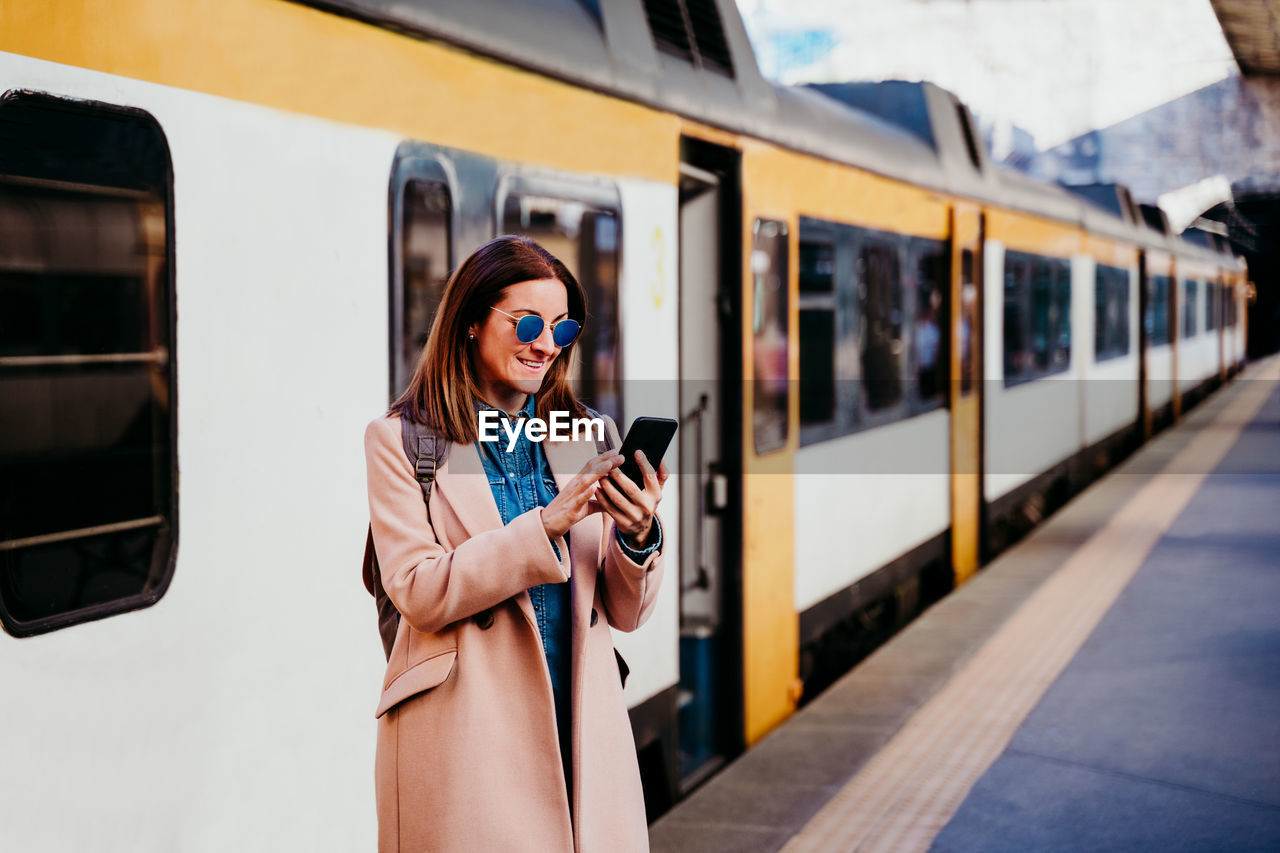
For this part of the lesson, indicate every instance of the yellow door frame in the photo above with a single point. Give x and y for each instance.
(966, 389)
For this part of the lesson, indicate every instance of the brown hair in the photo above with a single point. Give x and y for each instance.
(444, 389)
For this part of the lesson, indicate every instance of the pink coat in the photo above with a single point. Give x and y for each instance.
(467, 755)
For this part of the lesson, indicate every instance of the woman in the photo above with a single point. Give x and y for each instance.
(502, 724)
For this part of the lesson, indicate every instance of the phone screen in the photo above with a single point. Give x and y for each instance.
(653, 436)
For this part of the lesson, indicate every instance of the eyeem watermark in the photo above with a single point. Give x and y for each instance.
(560, 428)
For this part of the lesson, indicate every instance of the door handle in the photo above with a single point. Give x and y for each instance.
(716, 500)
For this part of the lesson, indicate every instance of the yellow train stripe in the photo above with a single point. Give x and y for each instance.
(296, 58)
(1105, 250)
(906, 794)
(785, 181)
(1030, 233)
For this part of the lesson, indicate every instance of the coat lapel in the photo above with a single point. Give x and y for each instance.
(463, 483)
(566, 458)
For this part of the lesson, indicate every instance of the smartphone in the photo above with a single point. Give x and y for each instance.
(653, 436)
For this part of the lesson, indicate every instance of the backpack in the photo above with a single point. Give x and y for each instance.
(427, 451)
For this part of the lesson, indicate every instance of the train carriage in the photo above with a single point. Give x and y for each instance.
(225, 231)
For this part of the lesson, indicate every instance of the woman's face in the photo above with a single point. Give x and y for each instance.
(507, 369)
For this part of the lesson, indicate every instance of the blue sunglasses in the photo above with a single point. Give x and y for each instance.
(530, 326)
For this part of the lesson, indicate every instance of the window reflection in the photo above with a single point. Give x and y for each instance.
(817, 267)
(880, 325)
(873, 327)
(1111, 312)
(1190, 302)
(818, 333)
(1156, 319)
(931, 282)
(968, 321)
(426, 263)
(817, 365)
(585, 237)
(1037, 316)
(769, 335)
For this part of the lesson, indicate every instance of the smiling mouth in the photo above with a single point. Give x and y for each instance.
(532, 365)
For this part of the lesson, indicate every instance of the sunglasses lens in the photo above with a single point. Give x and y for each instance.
(564, 332)
(528, 329)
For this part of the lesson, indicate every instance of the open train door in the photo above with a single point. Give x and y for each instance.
(966, 390)
(710, 704)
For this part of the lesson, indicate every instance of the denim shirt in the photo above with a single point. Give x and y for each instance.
(521, 480)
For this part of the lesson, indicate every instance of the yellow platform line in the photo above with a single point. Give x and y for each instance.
(905, 795)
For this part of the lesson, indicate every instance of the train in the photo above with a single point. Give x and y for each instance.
(224, 228)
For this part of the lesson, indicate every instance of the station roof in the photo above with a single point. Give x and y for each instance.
(1252, 28)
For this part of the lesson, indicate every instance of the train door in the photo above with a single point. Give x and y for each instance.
(710, 692)
(966, 390)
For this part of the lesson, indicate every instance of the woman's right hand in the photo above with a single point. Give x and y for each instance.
(577, 499)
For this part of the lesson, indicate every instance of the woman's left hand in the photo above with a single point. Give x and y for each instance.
(631, 507)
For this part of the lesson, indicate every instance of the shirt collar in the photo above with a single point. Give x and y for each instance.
(526, 411)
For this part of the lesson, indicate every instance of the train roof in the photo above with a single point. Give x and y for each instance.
(693, 58)
(701, 67)
(1113, 198)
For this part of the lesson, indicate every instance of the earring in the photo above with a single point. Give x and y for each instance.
(471, 336)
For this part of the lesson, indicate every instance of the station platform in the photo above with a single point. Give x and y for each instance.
(1110, 683)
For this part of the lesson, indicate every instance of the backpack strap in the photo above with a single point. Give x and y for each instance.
(427, 451)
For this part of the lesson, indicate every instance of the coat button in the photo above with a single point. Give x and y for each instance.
(484, 619)
(595, 617)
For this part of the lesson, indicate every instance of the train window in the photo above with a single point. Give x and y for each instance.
(817, 267)
(1190, 293)
(1111, 313)
(1050, 317)
(769, 334)
(1042, 317)
(86, 364)
(930, 279)
(586, 236)
(968, 320)
(1156, 320)
(873, 343)
(1212, 304)
(818, 317)
(817, 365)
(425, 261)
(880, 325)
(1037, 317)
(1017, 356)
